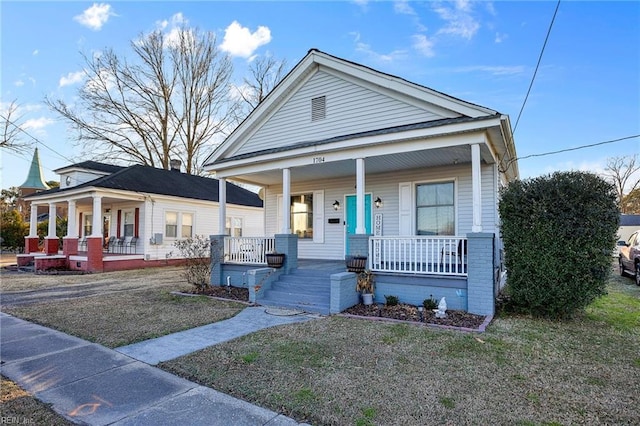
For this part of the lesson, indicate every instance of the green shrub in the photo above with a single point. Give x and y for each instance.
(391, 300)
(430, 303)
(558, 232)
(13, 229)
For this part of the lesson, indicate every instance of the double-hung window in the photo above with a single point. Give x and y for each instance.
(129, 220)
(233, 226)
(88, 224)
(302, 215)
(171, 224)
(187, 225)
(435, 208)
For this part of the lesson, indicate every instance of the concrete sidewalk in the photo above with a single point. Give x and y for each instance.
(175, 345)
(90, 384)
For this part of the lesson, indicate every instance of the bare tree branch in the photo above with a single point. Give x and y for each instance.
(266, 72)
(12, 129)
(170, 101)
(621, 172)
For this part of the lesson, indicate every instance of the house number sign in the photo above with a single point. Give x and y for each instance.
(318, 160)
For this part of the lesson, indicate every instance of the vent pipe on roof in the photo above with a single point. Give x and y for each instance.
(176, 165)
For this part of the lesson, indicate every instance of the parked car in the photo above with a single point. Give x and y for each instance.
(629, 259)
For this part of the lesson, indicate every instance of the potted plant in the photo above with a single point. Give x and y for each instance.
(356, 263)
(365, 286)
(275, 259)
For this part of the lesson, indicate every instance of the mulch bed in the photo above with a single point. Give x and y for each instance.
(410, 313)
(224, 292)
(400, 312)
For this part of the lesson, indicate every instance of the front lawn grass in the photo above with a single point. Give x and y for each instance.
(125, 316)
(522, 371)
(348, 371)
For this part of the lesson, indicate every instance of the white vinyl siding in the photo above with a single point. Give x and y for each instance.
(389, 188)
(350, 108)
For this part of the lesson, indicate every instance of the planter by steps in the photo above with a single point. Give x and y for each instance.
(356, 263)
(275, 260)
(367, 299)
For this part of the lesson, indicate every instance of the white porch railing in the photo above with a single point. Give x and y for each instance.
(419, 255)
(248, 249)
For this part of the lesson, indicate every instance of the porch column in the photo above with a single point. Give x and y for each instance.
(33, 221)
(476, 188)
(360, 223)
(96, 226)
(286, 200)
(94, 241)
(222, 206)
(32, 240)
(51, 241)
(70, 245)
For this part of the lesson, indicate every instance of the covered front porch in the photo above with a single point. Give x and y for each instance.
(103, 233)
(412, 269)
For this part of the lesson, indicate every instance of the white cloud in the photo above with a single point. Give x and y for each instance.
(18, 83)
(71, 78)
(95, 16)
(423, 45)
(500, 37)
(35, 52)
(460, 21)
(240, 41)
(380, 57)
(37, 123)
(403, 7)
(492, 69)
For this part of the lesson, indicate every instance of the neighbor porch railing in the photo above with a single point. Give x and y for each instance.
(419, 255)
(251, 250)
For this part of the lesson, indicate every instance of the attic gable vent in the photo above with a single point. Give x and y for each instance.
(318, 108)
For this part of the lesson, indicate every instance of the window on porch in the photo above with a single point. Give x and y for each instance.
(129, 222)
(88, 224)
(302, 215)
(435, 209)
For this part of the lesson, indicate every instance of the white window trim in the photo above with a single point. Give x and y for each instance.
(133, 214)
(455, 199)
(414, 204)
(179, 214)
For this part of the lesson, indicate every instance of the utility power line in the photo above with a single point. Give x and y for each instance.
(535, 72)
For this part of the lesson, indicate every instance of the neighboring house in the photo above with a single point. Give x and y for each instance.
(130, 217)
(629, 223)
(355, 161)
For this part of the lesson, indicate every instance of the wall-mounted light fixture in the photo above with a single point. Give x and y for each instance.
(336, 205)
(378, 202)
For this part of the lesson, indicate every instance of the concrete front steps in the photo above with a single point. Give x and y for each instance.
(304, 289)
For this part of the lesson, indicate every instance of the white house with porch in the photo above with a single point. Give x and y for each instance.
(130, 217)
(353, 161)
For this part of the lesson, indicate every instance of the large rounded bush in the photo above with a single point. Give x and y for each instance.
(558, 231)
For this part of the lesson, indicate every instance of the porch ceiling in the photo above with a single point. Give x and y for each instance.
(373, 165)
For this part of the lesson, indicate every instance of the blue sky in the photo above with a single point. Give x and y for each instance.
(587, 88)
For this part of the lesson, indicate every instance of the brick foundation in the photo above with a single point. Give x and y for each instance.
(46, 263)
(31, 245)
(94, 254)
(51, 245)
(70, 246)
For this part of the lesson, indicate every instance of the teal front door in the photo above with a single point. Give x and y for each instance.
(350, 214)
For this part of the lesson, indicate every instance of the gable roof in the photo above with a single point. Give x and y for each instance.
(315, 60)
(147, 179)
(91, 165)
(34, 178)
